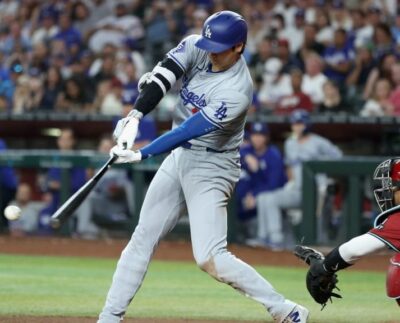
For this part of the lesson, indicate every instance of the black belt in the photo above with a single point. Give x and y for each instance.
(188, 145)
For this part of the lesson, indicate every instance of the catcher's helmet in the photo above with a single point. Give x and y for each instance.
(388, 175)
(222, 31)
(301, 116)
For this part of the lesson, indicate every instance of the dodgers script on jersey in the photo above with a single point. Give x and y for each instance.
(222, 97)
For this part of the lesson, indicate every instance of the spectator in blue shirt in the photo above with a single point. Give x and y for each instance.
(263, 170)
(339, 58)
(8, 82)
(70, 35)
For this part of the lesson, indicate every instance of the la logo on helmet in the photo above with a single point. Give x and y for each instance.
(207, 33)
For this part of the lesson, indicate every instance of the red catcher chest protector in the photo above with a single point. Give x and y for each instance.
(393, 278)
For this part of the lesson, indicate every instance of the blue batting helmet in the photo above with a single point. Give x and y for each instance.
(222, 31)
(301, 116)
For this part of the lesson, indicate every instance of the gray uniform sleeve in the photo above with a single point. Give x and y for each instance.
(289, 152)
(185, 53)
(225, 107)
(328, 150)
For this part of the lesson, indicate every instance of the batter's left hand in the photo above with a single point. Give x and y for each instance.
(125, 155)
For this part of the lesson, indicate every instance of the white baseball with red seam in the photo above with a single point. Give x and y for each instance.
(12, 212)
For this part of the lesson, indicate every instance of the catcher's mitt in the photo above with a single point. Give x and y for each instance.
(320, 282)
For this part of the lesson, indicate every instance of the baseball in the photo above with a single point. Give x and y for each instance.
(12, 212)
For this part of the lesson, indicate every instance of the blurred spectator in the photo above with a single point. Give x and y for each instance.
(52, 87)
(44, 228)
(332, 102)
(257, 62)
(112, 103)
(9, 82)
(160, 26)
(363, 66)
(73, 98)
(263, 169)
(310, 44)
(338, 58)
(80, 15)
(283, 53)
(374, 15)
(3, 104)
(340, 17)
(114, 29)
(382, 70)
(313, 79)
(295, 34)
(14, 40)
(106, 72)
(8, 8)
(47, 27)
(383, 41)
(275, 84)
(8, 185)
(301, 146)
(199, 16)
(395, 95)
(130, 90)
(28, 222)
(297, 100)
(28, 94)
(40, 58)
(396, 28)
(77, 175)
(379, 104)
(362, 32)
(68, 33)
(325, 29)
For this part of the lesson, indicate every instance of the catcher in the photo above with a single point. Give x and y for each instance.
(321, 277)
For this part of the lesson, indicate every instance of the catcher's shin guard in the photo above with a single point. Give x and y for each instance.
(393, 278)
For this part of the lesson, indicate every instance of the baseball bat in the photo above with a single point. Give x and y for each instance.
(69, 206)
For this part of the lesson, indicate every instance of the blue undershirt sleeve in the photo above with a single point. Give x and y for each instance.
(196, 126)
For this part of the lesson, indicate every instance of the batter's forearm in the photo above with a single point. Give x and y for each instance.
(193, 127)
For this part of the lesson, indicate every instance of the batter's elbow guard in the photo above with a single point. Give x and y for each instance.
(393, 278)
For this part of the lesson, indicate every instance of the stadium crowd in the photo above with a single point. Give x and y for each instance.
(86, 56)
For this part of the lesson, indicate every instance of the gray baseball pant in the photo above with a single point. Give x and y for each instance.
(200, 183)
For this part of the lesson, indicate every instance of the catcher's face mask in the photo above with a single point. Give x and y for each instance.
(388, 175)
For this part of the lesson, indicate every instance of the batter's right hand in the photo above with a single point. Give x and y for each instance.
(125, 155)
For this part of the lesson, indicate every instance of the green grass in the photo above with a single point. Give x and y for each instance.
(61, 286)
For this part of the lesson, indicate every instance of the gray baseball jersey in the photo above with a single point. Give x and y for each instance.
(221, 97)
(314, 148)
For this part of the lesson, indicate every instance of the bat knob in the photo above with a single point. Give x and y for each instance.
(55, 223)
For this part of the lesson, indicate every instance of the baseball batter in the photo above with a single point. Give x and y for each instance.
(200, 173)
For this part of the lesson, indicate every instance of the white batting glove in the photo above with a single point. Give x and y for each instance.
(125, 155)
(126, 129)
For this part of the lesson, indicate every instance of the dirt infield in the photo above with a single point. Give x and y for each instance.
(177, 250)
(168, 250)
